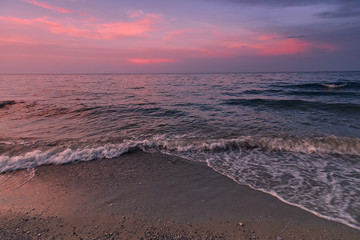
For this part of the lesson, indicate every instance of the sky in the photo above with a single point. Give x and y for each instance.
(174, 36)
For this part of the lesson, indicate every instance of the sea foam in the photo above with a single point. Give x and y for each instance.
(180, 144)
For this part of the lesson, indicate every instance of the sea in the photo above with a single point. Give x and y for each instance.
(295, 136)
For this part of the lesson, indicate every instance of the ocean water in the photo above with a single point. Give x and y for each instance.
(293, 135)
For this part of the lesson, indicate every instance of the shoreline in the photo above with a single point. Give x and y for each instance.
(150, 196)
(296, 205)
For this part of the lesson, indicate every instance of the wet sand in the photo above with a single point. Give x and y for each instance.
(148, 196)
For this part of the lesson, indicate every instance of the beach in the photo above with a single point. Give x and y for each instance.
(210, 119)
(148, 196)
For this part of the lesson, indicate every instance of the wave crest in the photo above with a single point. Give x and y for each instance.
(328, 145)
(60, 154)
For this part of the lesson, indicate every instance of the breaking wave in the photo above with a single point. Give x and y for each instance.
(61, 154)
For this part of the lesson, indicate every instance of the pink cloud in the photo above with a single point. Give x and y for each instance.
(291, 46)
(18, 20)
(267, 37)
(53, 27)
(113, 30)
(151, 60)
(327, 47)
(283, 47)
(277, 45)
(48, 6)
(90, 30)
(180, 32)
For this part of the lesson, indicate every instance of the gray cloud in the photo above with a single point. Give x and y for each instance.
(295, 36)
(351, 10)
(286, 3)
(344, 8)
(290, 36)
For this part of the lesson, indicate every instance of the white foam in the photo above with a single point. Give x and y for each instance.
(324, 186)
(179, 144)
(328, 145)
(54, 156)
(329, 85)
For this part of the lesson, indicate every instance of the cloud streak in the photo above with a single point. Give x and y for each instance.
(48, 6)
(342, 12)
(274, 45)
(151, 60)
(90, 30)
(287, 3)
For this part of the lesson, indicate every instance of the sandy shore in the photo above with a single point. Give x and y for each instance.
(148, 196)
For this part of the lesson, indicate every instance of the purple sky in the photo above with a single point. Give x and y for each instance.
(88, 36)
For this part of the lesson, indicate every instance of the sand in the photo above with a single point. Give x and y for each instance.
(148, 196)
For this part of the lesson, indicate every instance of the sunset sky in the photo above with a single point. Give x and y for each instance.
(93, 36)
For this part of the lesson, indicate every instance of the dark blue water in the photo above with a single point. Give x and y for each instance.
(293, 135)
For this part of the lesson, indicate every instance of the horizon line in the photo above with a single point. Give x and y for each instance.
(133, 73)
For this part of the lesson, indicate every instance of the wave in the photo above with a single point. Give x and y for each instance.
(62, 154)
(349, 85)
(320, 145)
(7, 103)
(259, 92)
(59, 155)
(27, 110)
(347, 89)
(311, 93)
(300, 92)
(334, 85)
(295, 105)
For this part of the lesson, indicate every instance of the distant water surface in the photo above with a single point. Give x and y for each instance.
(293, 135)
